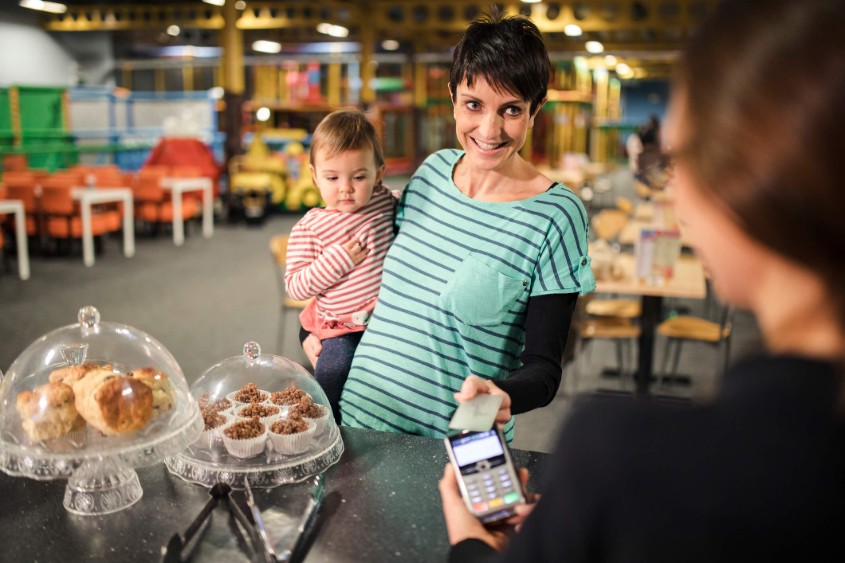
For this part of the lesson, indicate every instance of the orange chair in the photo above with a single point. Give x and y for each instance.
(2, 240)
(108, 176)
(17, 162)
(25, 186)
(63, 217)
(153, 204)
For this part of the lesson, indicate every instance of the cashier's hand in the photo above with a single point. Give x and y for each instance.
(474, 385)
(356, 250)
(312, 346)
(460, 523)
(523, 510)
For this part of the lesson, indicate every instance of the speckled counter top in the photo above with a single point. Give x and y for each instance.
(381, 504)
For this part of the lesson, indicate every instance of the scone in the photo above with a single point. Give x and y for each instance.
(71, 374)
(48, 412)
(113, 403)
(159, 384)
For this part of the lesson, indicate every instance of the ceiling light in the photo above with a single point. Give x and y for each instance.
(332, 30)
(389, 44)
(572, 30)
(240, 5)
(531, 1)
(594, 47)
(262, 114)
(52, 7)
(263, 46)
(610, 61)
(173, 30)
(624, 71)
(215, 2)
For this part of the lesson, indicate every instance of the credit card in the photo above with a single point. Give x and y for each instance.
(478, 414)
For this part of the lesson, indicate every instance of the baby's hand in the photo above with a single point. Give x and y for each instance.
(356, 250)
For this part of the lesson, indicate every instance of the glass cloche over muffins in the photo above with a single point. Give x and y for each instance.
(265, 419)
(92, 400)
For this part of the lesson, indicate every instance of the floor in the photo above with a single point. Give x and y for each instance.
(206, 299)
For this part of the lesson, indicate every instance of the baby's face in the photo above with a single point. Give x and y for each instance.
(346, 179)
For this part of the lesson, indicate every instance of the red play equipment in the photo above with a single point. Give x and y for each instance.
(185, 152)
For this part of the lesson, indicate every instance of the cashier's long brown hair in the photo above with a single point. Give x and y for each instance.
(764, 86)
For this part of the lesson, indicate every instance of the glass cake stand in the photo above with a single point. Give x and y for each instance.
(99, 467)
(276, 460)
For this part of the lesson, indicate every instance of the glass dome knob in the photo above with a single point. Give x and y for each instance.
(89, 316)
(252, 350)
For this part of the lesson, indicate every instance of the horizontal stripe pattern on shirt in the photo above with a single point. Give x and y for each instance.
(317, 265)
(455, 289)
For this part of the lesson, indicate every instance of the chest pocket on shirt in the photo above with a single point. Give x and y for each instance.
(480, 295)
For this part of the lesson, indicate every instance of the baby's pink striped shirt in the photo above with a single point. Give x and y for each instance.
(318, 267)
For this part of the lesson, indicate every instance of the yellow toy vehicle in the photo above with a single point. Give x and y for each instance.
(262, 180)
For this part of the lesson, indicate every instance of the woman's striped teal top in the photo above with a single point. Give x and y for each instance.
(453, 297)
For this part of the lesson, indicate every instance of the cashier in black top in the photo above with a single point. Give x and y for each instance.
(756, 127)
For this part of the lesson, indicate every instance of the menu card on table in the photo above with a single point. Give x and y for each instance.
(657, 251)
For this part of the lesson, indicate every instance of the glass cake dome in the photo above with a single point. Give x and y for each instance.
(265, 420)
(90, 402)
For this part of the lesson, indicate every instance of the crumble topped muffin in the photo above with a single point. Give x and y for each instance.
(306, 408)
(289, 396)
(257, 410)
(249, 393)
(213, 419)
(245, 429)
(289, 426)
(220, 404)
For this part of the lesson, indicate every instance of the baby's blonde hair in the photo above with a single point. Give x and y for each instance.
(346, 130)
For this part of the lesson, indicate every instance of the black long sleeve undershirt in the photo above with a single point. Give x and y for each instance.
(547, 322)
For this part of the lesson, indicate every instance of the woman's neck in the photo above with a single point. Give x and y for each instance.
(796, 316)
(516, 181)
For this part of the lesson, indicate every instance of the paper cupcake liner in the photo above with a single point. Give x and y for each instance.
(292, 444)
(208, 438)
(321, 422)
(244, 448)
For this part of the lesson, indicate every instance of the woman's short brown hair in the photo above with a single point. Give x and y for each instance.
(506, 51)
(346, 130)
(763, 91)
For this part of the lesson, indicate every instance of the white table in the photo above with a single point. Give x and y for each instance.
(16, 206)
(177, 187)
(88, 197)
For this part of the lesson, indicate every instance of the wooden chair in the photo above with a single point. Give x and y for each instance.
(623, 332)
(624, 205)
(278, 251)
(608, 223)
(688, 328)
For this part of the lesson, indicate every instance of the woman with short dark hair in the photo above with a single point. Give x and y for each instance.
(755, 126)
(481, 282)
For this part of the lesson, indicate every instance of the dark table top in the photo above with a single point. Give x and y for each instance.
(381, 504)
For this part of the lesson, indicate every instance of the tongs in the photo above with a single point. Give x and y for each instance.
(180, 546)
(318, 491)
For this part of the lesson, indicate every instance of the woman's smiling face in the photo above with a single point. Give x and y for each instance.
(490, 125)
